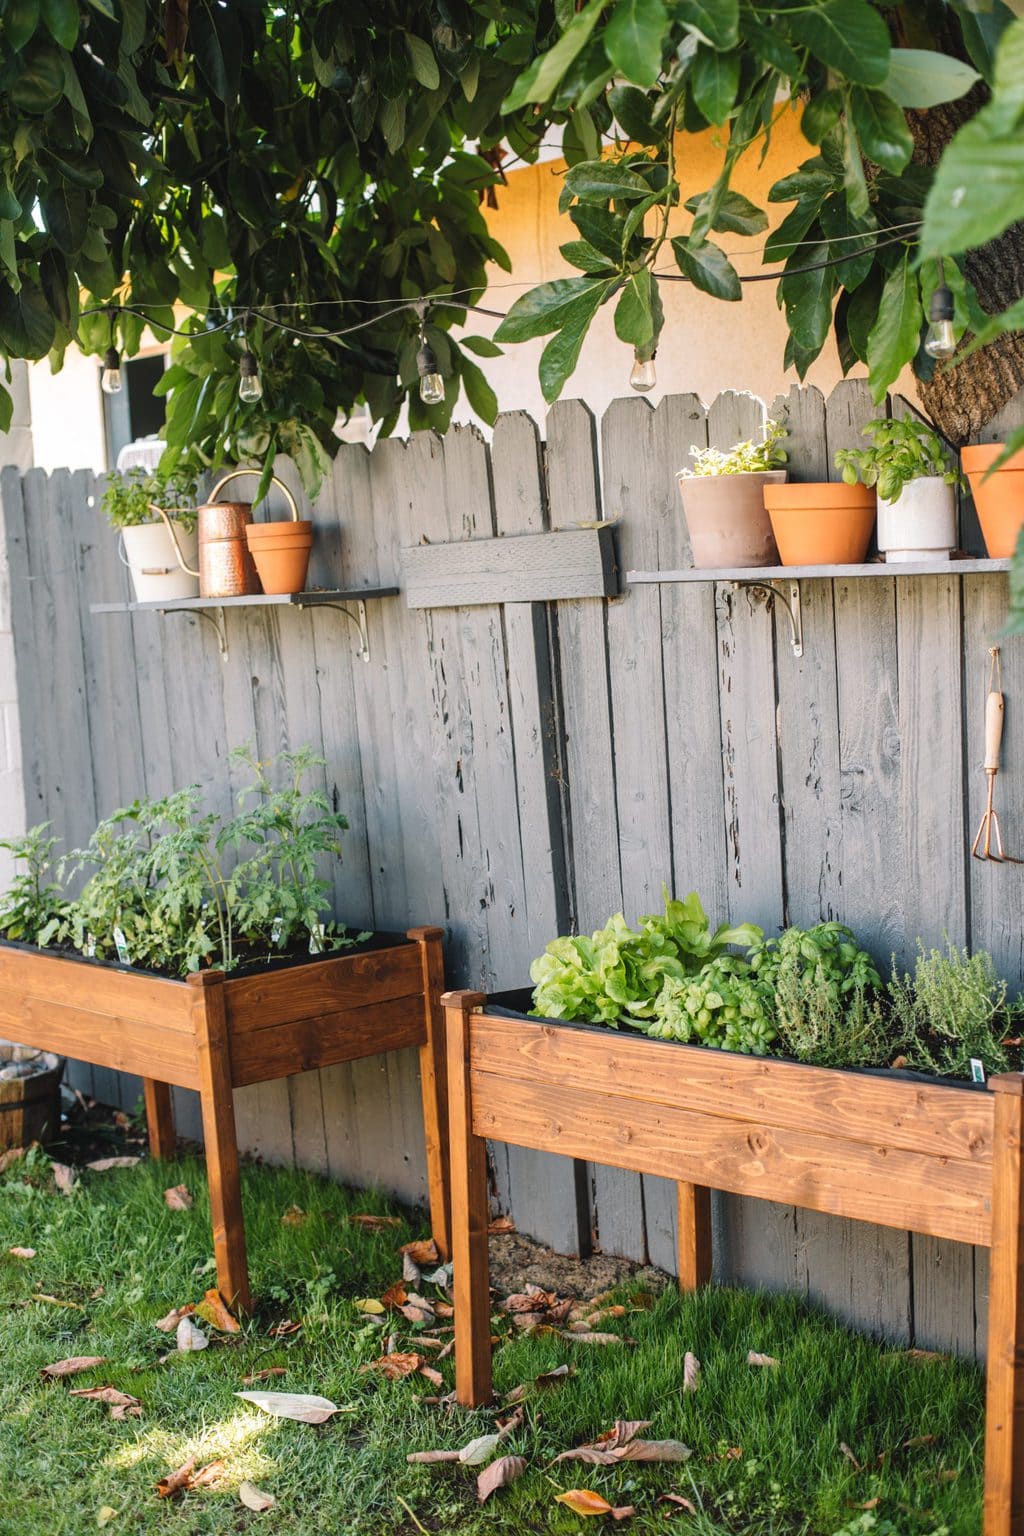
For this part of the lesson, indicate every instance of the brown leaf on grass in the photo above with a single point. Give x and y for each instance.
(73, 1366)
(922, 1356)
(176, 1482)
(430, 1458)
(509, 1426)
(105, 1164)
(213, 1311)
(64, 1177)
(583, 1501)
(12, 1155)
(620, 1443)
(189, 1338)
(691, 1372)
(411, 1270)
(851, 1458)
(553, 1378)
(395, 1365)
(395, 1296)
(498, 1475)
(169, 1323)
(475, 1452)
(105, 1514)
(373, 1223)
(919, 1440)
(865, 1504)
(419, 1310)
(178, 1198)
(753, 1358)
(947, 1475)
(303, 1407)
(267, 1374)
(422, 1252)
(294, 1216)
(444, 1309)
(581, 1324)
(370, 1306)
(55, 1301)
(500, 1225)
(434, 1377)
(533, 1299)
(254, 1498)
(284, 1328)
(119, 1403)
(595, 1338)
(208, 1475)
(22, 1253)
(679, 1501)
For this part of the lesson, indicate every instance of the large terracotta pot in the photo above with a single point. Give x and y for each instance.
(821, 523)
(999, 499)
(280, 552)
(726, 518)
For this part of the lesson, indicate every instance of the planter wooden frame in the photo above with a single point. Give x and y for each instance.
(920, 1156)
(214, 1033)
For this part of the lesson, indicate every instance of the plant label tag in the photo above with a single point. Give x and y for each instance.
(277, 930)
(316, 939)
(90, 946)
(121, 945)
(977, 1070)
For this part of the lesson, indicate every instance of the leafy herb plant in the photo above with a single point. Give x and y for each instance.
(744, 458)
(129, 498)
(953, 1009)
(33, 908)
(902, 451)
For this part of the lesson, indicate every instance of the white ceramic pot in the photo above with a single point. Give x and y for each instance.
(920, 524)
(157, 575)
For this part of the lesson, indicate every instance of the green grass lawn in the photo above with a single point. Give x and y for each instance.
(115, 1250)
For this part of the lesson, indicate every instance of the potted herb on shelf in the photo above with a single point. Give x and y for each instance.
(723, 502)
(910, 470)
(160, 551)
(998, 495)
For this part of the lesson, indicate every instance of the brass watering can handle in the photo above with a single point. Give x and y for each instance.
(236, 474)
(174, 539)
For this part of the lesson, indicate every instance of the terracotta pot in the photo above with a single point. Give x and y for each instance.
(920, 523)
(999, 499)
(726, 518)
(821, 523)
(280, 552)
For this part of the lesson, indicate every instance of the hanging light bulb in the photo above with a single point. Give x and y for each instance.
(431, 379)
(250, 385)
(644, 374)
(940, 338)
(110, 379)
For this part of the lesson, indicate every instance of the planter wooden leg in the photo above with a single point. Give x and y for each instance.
(1004, 1412)
(213, 1052)
(159, 1118)
(434, 1087)
(693, 1204)
(469, 1213)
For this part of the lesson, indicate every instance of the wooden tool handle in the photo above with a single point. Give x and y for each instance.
(993, 730)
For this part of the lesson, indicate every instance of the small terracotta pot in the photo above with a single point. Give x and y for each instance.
(280, 552)
(999, 499)
(726, 518)
(821, 523)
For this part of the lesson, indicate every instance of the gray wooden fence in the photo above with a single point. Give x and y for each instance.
(513, 770)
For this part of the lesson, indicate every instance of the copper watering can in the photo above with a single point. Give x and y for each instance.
(225, 564)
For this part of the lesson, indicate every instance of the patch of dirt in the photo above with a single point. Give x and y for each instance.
(517, 1261)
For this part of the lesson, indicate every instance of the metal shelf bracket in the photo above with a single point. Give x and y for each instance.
(358, 619)
(214, 616)
(788, 594)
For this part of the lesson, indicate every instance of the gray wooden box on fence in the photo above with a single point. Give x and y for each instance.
(514, 769)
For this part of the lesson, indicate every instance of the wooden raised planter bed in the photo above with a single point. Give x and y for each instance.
(920, 1155)
(214, 1033)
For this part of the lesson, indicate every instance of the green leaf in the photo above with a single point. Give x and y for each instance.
(632, 111)
(541, 79)
(847, 35)
(562, 352)
(982, 31)
(714, 81)
(841, 230)
(716, 20)
(26, 324)
(881, 128)
(918, 77)
(634, 37)
(735, 215)
(105, 8)
(601, 229)
(61, 18)
(893, 339)
(978, 190)
(854, 179)
(424, 64)
(599, 180)
(483, 346)
(20, 18)
(6, 417)
(543, 309)
(709, 269)
(39, 82)
(807, 297)
(634, 322)
(478, 391)
(821, 115)
(65, 212)
(579, 253)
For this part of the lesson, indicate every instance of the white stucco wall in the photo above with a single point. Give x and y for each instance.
(15, 448)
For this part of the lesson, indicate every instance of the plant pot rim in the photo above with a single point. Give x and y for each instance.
(502, 1004)
(771, 476)
(303, 525)
(826, 495)
(977, 456)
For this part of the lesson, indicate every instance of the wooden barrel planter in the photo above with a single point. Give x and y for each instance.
(896, 1149)
(29, 1105)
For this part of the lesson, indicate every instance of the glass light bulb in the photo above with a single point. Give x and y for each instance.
(250, 388)
(643, 376)
(111, 382)
(940, 340)
(432, 388)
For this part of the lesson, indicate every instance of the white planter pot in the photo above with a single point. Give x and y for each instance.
(157, 575)
(920, 524)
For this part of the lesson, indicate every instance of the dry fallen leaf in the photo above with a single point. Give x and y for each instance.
(254, 1498)
(10, 1156)
(104, 1515)
(284, 1328)
(374, 1223)
(583, 1501)
(620, 1444)
(265, 1375)
(55, 1301)
(919, 1440)
(22, 1253)
(294, 1216)
(411, 1270)
(395, 1365)
(209, 1475)
(304, 1408)
(593, 1338)
(475, 1452)
(691, 1372)
(190, 1338)
(169, 1323)
(422, 1252)
(213, 1311)
(120, 1403)
(753, 1358)
(500, 1225)
(64, 1177)
(73, 1366)
(176, 1482)
(431, 1458)
(104, 1164)
(498, 1475)
(922, 1356)
(395, 1296)
(851, 1458)
(592, 1319)
(677, 1499)
(178, 1198)
(867, 1504)
(434, 1377)
(371, 1306)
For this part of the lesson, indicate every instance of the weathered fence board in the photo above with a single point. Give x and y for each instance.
(513, 770)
